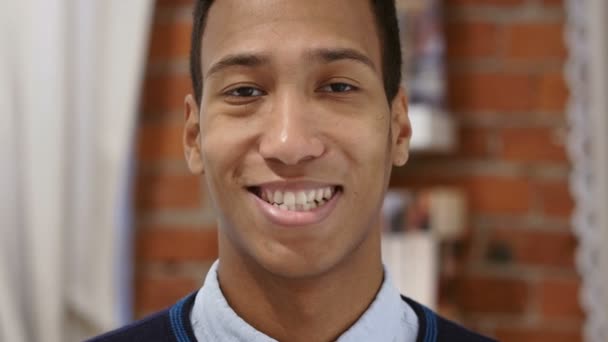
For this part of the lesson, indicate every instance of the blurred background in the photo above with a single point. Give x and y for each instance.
(504, 197)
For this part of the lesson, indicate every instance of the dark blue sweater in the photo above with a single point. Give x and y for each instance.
(173, 325)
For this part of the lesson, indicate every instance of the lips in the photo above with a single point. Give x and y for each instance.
(296, 204)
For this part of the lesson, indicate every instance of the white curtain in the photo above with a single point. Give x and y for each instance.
(587, 75)
(70, 75)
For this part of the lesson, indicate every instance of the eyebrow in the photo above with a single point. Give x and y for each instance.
(332, 55)
(324, 55)
(243, 59)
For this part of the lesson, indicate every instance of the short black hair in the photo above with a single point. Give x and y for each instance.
(386, 23)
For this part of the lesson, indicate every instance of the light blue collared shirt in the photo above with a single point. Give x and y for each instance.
(388, 318)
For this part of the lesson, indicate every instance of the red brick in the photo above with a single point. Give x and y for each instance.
(556, 198)
(552, 92)
(535, 41)
(153, 293)
(466, 39)
(485, 294)
(538, 335)
(168, 191)
(419, 180)
(536, 248)
(486, 194)
(559, 298)
(474, 141)
(166, 93)
(160, 141)
(177, 245)
(477, 91)
(170, 40)
(533, 144)
(497, 195)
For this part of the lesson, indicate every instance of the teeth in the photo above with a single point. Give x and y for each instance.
(327, 193)
(311, 196)
(278, 197)
(319, 195)
(301, 198)
(289, 198)
(297, 200)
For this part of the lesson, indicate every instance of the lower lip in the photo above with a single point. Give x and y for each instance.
(290, 218)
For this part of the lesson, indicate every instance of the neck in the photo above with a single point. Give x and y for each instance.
(316, 308)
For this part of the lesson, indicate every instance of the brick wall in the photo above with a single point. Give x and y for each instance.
(515, 277)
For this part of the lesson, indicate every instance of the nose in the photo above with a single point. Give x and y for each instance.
(292, 135)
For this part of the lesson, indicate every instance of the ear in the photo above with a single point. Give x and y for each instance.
(192, 136)
(400, 128)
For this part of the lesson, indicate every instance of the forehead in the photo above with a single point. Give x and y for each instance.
(288, 28)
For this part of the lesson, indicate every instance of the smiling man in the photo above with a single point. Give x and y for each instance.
(295, 123)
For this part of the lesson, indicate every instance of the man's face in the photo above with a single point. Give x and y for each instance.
(296, 137)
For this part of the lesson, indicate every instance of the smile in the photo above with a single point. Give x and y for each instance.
(296, 205)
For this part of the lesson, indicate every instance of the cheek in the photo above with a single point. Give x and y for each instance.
(221, 158)
(211, 151)
(365, 141)
(368, 147)
(223, 144)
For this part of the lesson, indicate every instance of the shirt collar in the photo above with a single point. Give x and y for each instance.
(388, 318)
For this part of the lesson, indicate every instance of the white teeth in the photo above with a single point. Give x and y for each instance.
(311, 196)
(304, 200)
(319, 195)
(278, 197)
(301, 198)
(289, 198)
(327, 193)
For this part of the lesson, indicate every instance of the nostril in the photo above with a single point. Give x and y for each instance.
(291, 148)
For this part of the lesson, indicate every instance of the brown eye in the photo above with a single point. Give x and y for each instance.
(338, 87)
(245, 92)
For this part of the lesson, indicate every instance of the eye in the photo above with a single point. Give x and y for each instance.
(338, 87)
(245, 92)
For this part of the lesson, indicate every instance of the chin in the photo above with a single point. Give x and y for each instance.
(306, 260)
(299, 252)
(297, 268)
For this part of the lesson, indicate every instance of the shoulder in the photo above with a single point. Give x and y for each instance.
(450, 331)
(434, 328)
(170, 325)
(152, 328)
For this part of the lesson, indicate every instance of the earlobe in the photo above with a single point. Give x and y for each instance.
(401, 129)
(192, 136)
